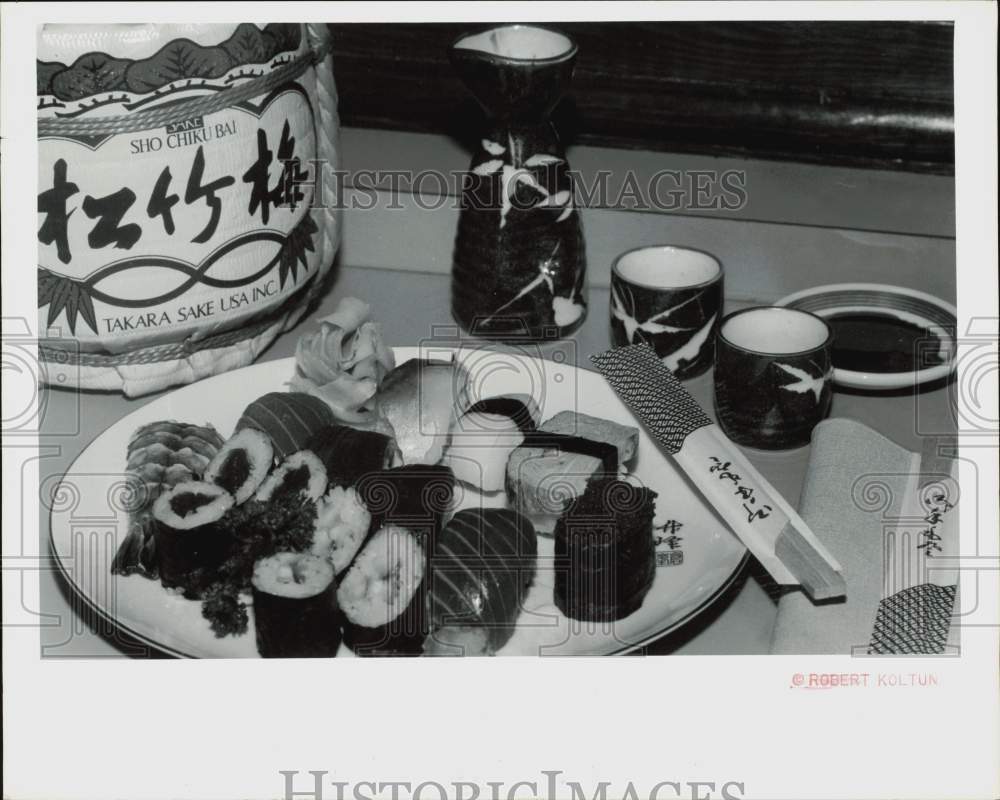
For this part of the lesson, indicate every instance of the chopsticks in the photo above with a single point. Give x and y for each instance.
(755, 511)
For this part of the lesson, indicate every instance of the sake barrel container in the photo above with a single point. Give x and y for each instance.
(186, 196)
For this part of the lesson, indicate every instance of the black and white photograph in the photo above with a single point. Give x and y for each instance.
(600, 352)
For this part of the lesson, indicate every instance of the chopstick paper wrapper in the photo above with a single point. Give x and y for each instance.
(757, 513)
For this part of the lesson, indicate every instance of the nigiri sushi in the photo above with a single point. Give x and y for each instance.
(288, 419)
(421, 399)
(484, 563)
(483, 438)
(557, 461)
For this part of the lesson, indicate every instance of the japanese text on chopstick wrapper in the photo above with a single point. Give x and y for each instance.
(723, 471)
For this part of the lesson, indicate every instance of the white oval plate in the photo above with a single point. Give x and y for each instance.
(908, 305)
(88, 518)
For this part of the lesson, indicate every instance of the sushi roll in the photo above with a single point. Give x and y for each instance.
(559, 460)
(160, 454)
(483, 566)
(295, 607)
(242, 464)
(382, 595)
(341, 527)
(484, 437)
(287, 418)
(191, 539)
(604, 551)
(349, 454)
(301, 473)
(416, 496)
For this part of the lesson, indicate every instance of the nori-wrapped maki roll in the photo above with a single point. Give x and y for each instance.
(341, 527)
(301, 473)
(605, 557)
(416, 497)
(242, 464)
(191, 541)
(483, 565)
(295, 607)
(288, 419)
(383, 595)
(349, 454)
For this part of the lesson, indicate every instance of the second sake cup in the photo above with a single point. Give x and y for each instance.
(772, 376)
(671, 298)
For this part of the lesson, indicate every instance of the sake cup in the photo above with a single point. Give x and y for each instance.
(772, 376)
(670, 298)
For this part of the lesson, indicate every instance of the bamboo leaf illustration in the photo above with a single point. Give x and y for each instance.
(512, 178)
(564, 199)
(657, 327)
(558, 199)
(59, 297)
(46, 286)
(72, 309)
(293, 252)
(805, 382)
(689, 351)
(493, 148)
(61, 293)
(86, 309)
(541, 159)
(544, 278)
(489, 167)
(624, 313)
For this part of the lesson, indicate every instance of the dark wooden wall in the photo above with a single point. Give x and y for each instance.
(862, 93)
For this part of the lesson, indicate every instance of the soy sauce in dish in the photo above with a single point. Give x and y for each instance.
(872, 342)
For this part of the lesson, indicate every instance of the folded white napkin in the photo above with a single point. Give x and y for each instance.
(888, 516)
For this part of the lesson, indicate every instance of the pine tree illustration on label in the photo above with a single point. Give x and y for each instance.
(182, 218)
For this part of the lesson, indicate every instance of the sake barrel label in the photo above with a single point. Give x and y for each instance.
(195, 226)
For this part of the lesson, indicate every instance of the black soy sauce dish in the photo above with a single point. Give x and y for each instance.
(670, 298)
(772, 376)
(886, 338)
